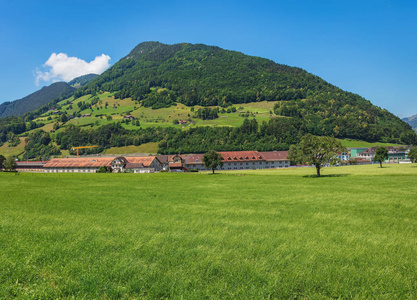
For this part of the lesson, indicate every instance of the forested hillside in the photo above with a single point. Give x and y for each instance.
(193, 98)
(159, 75)
(36, 99)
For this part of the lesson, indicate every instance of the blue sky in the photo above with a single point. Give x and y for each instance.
(366, 47)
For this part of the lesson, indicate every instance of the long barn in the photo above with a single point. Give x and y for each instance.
(146, 164)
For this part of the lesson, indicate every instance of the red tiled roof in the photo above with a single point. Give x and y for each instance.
(133, 166)
(194, 159)
(241, 156)
(83, 162)
(145, 160)
(175, 165)
(274, 155)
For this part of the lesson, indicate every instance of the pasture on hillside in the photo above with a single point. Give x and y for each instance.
(234, 235)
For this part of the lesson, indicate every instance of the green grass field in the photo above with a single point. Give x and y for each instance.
(144, 148)
(6, 151)
(162, 117)
(237, 235)
(348, 143)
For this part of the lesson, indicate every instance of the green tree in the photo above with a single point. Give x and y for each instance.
(2, 159)
(412, 154)
(315, 150)
(381, 155)
(212, 160)
(10, 163)
(64, 118)
(102, 169)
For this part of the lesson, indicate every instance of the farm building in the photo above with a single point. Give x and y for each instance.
(30, 166)
(77, 165)
(236, 160)
(395, 154)
(145, 164)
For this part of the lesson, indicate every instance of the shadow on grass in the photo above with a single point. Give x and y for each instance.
(322, 176)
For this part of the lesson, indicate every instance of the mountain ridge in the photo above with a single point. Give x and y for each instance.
(412, 121)
(43, 96)
(193, 97)
(159, 75)
(35, 100)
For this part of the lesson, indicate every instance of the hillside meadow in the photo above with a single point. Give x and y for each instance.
(235, 235)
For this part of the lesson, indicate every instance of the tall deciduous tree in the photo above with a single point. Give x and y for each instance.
(2, 159)
(315, 150)
(412, 154)
(381, 155)
(10, 163)
(212, 160)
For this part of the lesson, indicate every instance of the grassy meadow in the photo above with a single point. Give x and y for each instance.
(235, 235)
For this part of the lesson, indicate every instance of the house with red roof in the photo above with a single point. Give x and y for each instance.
(147, 164)
(241, 160)
(142, 164)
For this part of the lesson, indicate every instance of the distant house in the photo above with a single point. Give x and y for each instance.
(354, 152)
(177, 164)
(395, 154)
(144, 164)
(182, 122)
(343, 156)
(129, 117)
(86, 115)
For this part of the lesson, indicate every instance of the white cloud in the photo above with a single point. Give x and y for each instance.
(61, 67)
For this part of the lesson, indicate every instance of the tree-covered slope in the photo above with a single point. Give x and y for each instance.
(36, 99)
(203, 75)
(159, 75)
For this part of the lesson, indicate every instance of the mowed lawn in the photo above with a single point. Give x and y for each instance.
(234, 235)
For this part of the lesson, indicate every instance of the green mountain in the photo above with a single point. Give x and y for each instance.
(56, 91)
(36, 99)
(192, 98)
(160, 75)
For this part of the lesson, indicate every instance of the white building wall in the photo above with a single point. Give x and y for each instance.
(243, 165)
